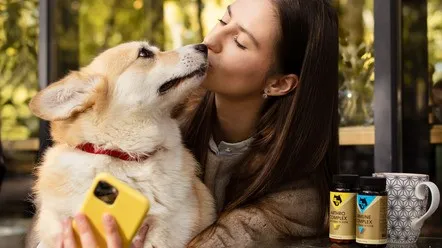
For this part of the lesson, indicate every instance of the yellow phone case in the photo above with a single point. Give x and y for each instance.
(129, 209)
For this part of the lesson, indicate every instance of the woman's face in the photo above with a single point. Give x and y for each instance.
(241, 49)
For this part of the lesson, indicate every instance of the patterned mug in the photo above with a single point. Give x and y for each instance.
(407, 205)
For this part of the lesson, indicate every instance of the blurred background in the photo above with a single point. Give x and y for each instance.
(390, 120)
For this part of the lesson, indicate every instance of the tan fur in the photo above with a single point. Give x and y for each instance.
(49, 181)
(170, 58)
(199, 190)
(114, 103)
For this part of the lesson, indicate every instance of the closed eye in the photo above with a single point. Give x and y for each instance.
(145, 53)
(239, 44)
(235, 38)
(222, 22)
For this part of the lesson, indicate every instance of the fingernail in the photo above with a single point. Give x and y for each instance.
(108, 219)
(81, 220)
(65, 226)
(144, 228)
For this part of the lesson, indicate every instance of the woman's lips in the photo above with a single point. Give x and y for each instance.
(211, 64)
(210, 59)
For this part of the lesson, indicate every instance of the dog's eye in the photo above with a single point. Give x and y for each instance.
(144, 53)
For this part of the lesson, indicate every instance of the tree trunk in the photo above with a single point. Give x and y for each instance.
(155, 15)
(352, 20)
(200, 21)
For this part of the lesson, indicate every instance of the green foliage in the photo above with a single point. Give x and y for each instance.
(18, 68)
(83, 29)
(183, 24)
(106, 23)
(356, 87)
(167, 24)
(435, 36)
(356, 63)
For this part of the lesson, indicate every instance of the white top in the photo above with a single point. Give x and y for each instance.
(218, 171)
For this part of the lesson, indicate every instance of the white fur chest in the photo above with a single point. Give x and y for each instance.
(66, 174)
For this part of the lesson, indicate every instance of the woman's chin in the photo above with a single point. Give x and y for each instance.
(207, 82)
(213, 83)
(205, 85)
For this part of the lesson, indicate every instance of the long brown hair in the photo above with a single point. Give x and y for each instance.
(296, 136)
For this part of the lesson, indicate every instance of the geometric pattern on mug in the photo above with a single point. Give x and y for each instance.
(404, 207)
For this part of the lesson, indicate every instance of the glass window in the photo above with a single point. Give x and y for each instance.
(356, 85)
(166, 24)
(432, 226)
(356, 63)
(19, 29)
(84, 28)
(18, 68)
(434, 24)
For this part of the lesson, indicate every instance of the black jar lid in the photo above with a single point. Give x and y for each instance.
(372, 183)
(346, 180)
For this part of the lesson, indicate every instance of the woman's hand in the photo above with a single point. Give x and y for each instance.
(87, 239)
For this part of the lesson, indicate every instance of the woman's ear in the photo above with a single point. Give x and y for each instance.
(70, 95)
(282, 85)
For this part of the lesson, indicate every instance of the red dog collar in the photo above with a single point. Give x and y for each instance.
(90, 148)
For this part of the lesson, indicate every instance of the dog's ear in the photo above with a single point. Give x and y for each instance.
(70, 95)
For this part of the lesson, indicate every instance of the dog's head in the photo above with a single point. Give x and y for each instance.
(132, 78)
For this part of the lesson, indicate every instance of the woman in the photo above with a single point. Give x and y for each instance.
(265, 128)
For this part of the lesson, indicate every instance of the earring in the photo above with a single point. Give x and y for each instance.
(264, 95)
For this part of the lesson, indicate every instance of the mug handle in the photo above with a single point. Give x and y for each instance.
(416, 224)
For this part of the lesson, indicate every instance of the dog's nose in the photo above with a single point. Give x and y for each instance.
(202, 48)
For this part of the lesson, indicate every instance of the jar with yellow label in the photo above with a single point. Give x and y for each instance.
(343, 208)
(371, 213)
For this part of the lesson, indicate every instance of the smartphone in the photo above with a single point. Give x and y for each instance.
(110, 195)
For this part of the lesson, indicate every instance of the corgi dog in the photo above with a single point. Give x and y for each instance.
(114, 116)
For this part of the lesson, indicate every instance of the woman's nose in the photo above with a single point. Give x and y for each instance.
(213, 41)
(212, 46)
